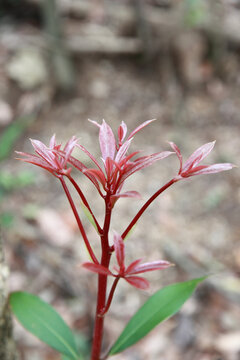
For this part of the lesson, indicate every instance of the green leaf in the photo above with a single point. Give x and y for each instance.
(6, 219)
(44, 322)
(83, 347)
(12, 133)
(160, 306)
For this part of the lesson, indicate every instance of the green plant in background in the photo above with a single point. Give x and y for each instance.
(195, 12)
(9, 181)
(12, 133)
(108, 176)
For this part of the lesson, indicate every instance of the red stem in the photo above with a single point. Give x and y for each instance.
(102, 305)
(81, 228)
(145, 206)
(84, 200)
(102, 285)
(110, 296)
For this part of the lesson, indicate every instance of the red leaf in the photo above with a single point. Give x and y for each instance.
(127, 194)
(125, 160)
(90, 155)
(76, 163)
(35, 160)
(122, 150)
(132, 266)
(140, 127)
(144, 162)
(98, 174)
(82, 168)
(122, 131)
(138, 282)
(68, 148)
(107, 141)
(119, 250)
(42, 150)
(211, 169)
(150, 266)
(52, 142)
(96, 268)
(198, 156)
(178, 152)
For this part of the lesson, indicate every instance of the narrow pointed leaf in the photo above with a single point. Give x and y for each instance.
(127, 194)
(122, 151)
(89, 216)
(138, 282)
(122, 131)
(119, 249)
(140, 127)
(96, 268)
(212, 169)
(198, 156)
(178, 152)
(44, 322)
(150, 266)
(144, 162)
(160, 306)
(107, 141)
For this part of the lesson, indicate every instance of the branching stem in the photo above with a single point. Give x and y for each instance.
(85, 202)
(110, 296)
(102, 283)
(146, 205)
(80, 225)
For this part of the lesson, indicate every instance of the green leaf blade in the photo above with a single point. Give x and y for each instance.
(44, 322)
(159, 307)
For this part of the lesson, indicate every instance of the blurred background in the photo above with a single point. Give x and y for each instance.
(64, 61)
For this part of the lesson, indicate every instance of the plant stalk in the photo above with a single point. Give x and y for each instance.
(80, 225)
(146, 205)
(102, 284)
(84, 200)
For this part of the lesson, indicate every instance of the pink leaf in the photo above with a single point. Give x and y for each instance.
(82, 168)
(138, 282)
(127, 194)
(122, 150)
(95, 123)
(73, 161)
(52, 143)
(68, 149)
(119, 250)
(178, 152)
(145, 161)
(42, 151)
(211, 169)
(90, 155)
(98, 174)
(140, 127)
(109, 166)
(132, 266)
(107, 141)
(198, 156)
(127, 158)
(35, 160)
(122, 131)
(96, 268)
(150, 266)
